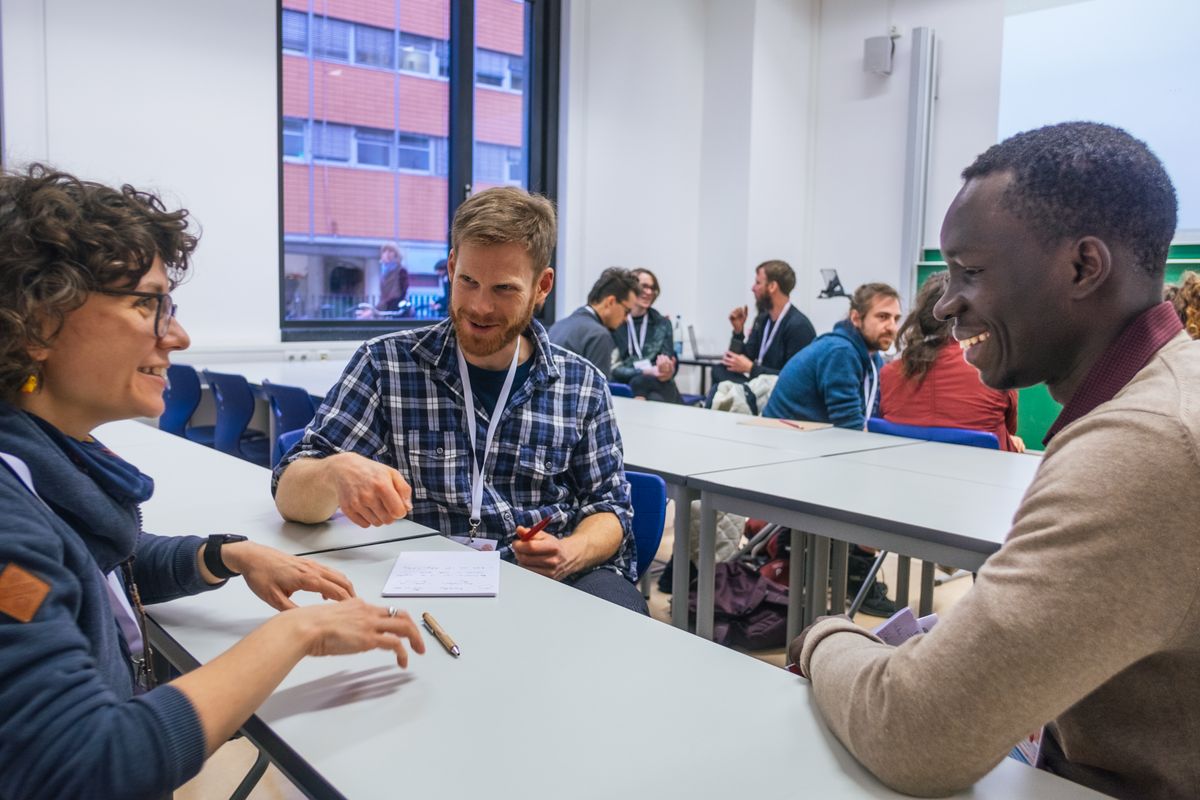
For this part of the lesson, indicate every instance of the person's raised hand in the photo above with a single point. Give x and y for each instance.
(737, 318)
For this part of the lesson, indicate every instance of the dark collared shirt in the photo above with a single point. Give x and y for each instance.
(1123, 359)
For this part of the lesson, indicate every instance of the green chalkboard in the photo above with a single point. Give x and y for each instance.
(1036, 409)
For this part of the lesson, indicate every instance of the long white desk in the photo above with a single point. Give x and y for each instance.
(557, 694)
(199, 490)
(942, 503)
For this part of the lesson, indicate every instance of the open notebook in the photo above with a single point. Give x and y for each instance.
(453, 573)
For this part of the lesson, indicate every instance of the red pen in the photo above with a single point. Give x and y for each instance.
(542, 523)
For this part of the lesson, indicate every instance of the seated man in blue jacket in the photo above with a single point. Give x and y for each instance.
(836, 379)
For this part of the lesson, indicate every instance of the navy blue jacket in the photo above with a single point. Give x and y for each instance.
(824, 382)
(795, 334)
(70, 725)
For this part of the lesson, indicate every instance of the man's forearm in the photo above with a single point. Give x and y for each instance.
(596, 539)
(305, 492)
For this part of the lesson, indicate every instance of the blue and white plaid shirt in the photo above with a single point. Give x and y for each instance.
(557, 450)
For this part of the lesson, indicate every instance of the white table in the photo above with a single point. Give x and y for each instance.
(199, 490)
(942, 503)
(551, 698)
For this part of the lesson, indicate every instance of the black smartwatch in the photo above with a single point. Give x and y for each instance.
(212, 554)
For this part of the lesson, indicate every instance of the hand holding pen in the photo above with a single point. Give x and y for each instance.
(546, 554)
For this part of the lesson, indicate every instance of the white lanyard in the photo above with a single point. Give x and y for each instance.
(870, 389)
(636, 345)
(493, 424)
(769, 332)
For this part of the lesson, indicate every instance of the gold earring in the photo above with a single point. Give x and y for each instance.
(30, 385)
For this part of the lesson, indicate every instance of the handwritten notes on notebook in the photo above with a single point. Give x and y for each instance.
(444, 574)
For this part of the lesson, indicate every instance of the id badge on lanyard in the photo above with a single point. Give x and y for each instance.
(477, 469)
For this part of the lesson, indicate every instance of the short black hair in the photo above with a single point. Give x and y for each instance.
(613, 282)
(1086, 178)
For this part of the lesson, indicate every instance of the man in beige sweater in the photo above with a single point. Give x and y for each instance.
(1087, 620)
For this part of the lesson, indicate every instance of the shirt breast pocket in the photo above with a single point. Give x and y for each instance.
(543, 473)
(440, 467)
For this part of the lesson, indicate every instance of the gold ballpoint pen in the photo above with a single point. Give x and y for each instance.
(433, 627)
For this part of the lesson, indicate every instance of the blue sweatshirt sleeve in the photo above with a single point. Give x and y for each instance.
(841, 384)
(65, 731)
(166, 567)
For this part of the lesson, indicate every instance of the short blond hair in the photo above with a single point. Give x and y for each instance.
(507, 214)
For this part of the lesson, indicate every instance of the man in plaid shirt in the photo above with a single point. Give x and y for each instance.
(391, 440)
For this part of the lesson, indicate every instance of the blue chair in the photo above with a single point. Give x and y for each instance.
(291, 407)
(283, 443)
(971, 438)
(620, 389)
(648, 495)
(235, 408)
(182, 398)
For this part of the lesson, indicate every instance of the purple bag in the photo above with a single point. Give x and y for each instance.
(749, 610)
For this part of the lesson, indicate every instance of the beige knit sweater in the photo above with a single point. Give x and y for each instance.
(1087, 618)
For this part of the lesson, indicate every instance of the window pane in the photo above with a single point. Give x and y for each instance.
(416, 53)
(366, 163)
(374, 47)
(331, 38)
(374, 147)
(501, 107)
(294, 28)
(293, 138)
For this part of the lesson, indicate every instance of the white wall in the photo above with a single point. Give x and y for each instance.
(169, 95)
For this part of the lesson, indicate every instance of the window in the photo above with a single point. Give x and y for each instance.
(331, 38)
(293, 138)
(374, 47)
(331, 142)
(294, 27)
(382, 134)
(413, 152)
(373, 147)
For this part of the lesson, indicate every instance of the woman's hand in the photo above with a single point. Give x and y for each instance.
(354, 626)
(274, 576)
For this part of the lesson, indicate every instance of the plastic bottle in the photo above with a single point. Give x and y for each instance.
(678, 337)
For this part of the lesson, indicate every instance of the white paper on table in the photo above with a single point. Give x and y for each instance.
(445, 574)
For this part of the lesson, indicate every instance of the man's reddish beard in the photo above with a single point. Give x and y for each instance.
(482, 346)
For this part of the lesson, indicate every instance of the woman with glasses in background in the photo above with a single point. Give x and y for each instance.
(87, 328)
(645, 348)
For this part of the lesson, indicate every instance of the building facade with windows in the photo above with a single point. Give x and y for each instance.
(366, 101)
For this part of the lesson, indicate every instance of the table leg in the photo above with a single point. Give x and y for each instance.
(903, 568)
(796, 585)
(707, 567)
(926, 601)
(818, 577)
(837, 591)
(680, 557)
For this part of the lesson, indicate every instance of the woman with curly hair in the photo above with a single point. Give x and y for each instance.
(931, 384)
(87, 328)
(1185, 296)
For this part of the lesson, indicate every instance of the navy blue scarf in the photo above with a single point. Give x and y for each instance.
(119, 479)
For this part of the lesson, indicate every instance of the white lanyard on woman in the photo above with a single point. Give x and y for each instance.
(636, 345)
(870, 389)
(769, 332)
(493, 424)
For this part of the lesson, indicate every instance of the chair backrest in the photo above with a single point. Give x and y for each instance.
(971, 438)
(235, 408)
(182, 398)
(291, 406)
(283, 443)
(648, 494)
(620, 389)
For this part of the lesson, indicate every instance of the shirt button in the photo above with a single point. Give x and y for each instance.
(440, 451)
(508, 515)
(549, 464)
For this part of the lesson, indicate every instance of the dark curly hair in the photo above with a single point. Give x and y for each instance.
(922, 334)
(1185, 297)
(62, 238)
(1084, 178)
